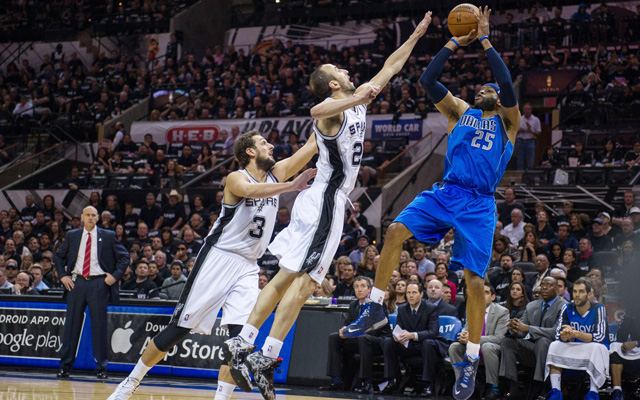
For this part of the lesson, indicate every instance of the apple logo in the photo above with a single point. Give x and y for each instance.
(121, 339)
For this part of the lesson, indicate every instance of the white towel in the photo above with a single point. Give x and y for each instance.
(633, 354)
(590, 357)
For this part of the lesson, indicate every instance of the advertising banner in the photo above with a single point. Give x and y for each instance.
(387, 129)
(31, 335)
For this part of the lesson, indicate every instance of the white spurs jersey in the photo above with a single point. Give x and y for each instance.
(245, 228)
(339, 156)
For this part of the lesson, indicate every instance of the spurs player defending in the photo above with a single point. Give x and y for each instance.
(225, 275)
(307, 246)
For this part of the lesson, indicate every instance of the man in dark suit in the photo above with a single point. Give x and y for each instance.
(434, 296)
(419, 322)
(542, 267)
(528, 339)
(341, 349)
(89, 263)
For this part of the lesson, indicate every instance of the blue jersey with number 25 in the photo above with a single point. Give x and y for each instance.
(478, 152)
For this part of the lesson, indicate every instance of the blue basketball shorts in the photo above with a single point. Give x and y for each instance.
(473, 215)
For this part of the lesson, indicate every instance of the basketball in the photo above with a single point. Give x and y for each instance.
(462, 19)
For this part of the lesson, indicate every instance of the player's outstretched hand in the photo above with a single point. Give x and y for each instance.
(466, 40)
(369, 93)
(483, 20)
(302, 181)
(421, 29)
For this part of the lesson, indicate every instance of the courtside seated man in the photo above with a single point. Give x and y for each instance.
(480, 145)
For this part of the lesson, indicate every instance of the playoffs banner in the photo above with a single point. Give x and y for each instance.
(209, 130)
(378, 127)
(33, 333)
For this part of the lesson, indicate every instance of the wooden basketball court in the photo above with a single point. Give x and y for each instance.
(20, 385)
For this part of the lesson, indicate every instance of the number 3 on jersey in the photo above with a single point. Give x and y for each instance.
(488, 140)
(257, 233)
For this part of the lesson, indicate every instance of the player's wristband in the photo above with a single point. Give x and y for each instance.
(455, 41)
(483, 38)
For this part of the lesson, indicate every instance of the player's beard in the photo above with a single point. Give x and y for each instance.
(349, 88)
(486, 104)
(265, 163)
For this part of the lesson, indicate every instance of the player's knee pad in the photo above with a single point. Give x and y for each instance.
(234, 330)
(170, 336)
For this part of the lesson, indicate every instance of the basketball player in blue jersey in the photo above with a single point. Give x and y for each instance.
(306, 247)
(480, 144)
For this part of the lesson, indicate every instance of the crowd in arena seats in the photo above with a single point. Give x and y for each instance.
(34, 20)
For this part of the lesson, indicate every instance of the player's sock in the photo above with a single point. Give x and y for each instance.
(617, 388)
(555, 381)
(224, 391)
(592, 386)
(377, 295)
(249, 333)
(473, 350)
(139, 371)
(271, 347)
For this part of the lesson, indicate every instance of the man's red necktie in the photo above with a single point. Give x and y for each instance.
(86, 266)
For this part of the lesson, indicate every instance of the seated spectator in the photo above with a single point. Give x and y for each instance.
(359, 222)
(632, 158)
(141, 282)
(366, 266)
(116, 165)
(445, 246)
(206, 159)
(627, 233)
(369, 162)
(508, 205)
(502, 279)
(153, 274)
(358, 253)
(173, 292)
(585, 253)
(624, 352)
(345, 287)
(171, 178)
(419, 322)
(515, 230)
(582, 157)
(501, 246)
(542, 268)
(599, 240)
(187, 159)
(609, 156)
(550, 158)
(516, 300)
(563, 237)
(442, 274)
(496, 320)
(446, 295)
(424, 264)
(435, 290)
(563, 287)
(528, 339)
(341, 350)
(401, 292)
(598, 285)
(173, 214)
(24, 284)
(101, 165)
(322, 289)
(581, 335)
(544, 231)
(570, 261)
(529, 246)
(37, 273)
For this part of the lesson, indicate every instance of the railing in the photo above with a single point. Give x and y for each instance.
(386, 164)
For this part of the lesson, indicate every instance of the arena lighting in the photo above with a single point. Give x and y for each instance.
(277, 1)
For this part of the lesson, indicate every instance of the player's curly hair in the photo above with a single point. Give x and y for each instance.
(319, 82)
(242, 143)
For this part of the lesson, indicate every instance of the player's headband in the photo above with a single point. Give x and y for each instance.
(494, 86)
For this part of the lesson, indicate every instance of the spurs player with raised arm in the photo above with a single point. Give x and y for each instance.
(306, 247)
(225, 275)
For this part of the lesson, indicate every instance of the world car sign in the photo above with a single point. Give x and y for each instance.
(190, 133)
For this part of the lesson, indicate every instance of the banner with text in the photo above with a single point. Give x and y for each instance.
(387, 129)
(33, 333)
(378, 127)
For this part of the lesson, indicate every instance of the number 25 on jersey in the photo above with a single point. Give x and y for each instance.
(483, 140)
